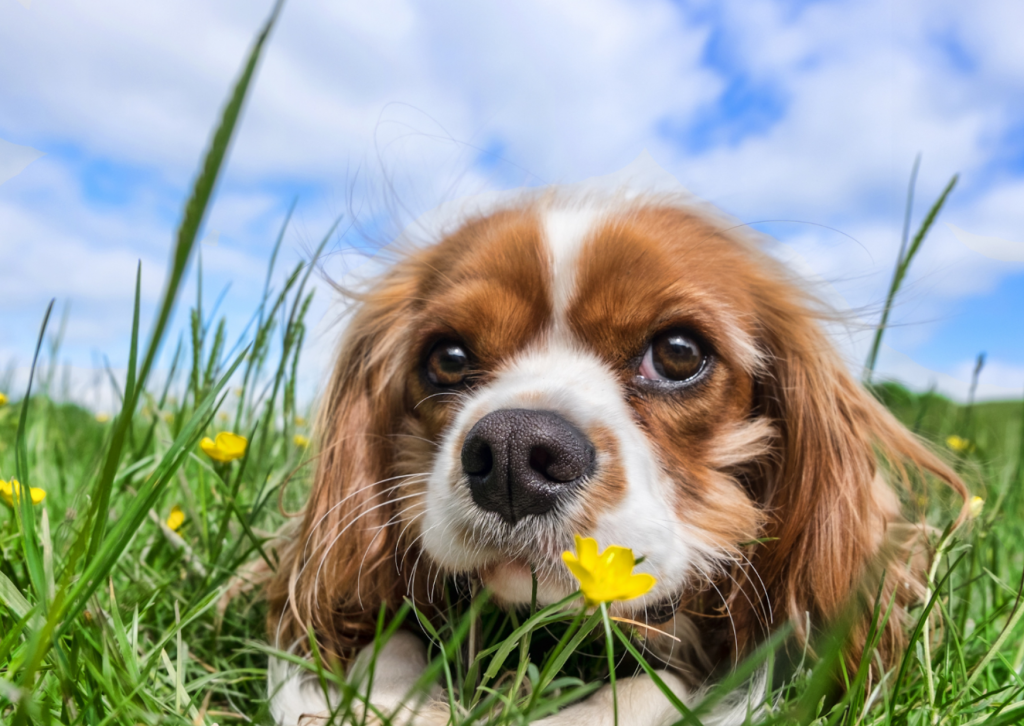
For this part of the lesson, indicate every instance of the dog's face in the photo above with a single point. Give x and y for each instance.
(628, 371)
(579, 371)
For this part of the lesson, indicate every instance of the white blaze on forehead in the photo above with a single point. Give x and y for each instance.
(565, 231)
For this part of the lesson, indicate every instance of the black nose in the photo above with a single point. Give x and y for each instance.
(520, 462)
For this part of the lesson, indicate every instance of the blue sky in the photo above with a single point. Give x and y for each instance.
(810, 112)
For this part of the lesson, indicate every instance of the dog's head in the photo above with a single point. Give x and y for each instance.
(631, 371)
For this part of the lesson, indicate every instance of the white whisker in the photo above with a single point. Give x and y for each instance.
(323, 557)
(454, 394)
(767, 597)
(352, 494)
(359, 572)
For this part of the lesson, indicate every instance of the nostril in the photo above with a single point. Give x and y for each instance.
(561, 464)
(541, 460)
(477, 458)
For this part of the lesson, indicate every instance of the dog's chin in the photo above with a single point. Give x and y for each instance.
(511, 583)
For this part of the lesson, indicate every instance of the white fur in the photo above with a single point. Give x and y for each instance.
(565, 231)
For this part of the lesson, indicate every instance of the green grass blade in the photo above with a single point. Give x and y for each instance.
(902, 266)
(273, 258)
(130, 393)
(229, 504)
(127, 525)
(915, 634)
(65, 610)
(290, 339)
(550, 614)
(195, 213)
(689, 717)
(23, 500)
(565, 648)
(609, 643)
(202, 191)
(11, 597)
(101, 495)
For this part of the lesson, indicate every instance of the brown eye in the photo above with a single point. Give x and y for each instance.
(447, 364)
(672, 356)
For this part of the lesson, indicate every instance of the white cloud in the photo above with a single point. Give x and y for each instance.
(995, 247)
(14, 159)
(999, 381)
(41, 258)
(353, 96)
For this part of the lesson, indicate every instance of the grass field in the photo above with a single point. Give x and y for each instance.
(111, 608)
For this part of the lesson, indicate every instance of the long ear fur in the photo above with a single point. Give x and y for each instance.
(341, 565)
(831, 488)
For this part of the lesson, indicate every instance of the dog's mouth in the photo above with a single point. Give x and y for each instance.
(512, 583)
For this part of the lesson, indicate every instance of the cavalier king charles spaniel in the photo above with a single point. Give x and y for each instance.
(633, 369)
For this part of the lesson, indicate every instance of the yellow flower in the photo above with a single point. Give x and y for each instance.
(102, 416)
(959, 444)
(977, 504)
(8, 490)
(223, 416)
(301, 441)
(3, 400)
(608, 575)
(176, 518)
(227, 447)
(299, 421)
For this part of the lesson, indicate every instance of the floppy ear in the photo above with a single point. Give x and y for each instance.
(831, 489)
(341, 566)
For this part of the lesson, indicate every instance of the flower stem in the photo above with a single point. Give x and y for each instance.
(611, 660)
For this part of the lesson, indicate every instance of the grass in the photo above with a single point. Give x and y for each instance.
(109, 616)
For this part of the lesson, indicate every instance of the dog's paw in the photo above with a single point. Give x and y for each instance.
(640, 703)
(431, 713)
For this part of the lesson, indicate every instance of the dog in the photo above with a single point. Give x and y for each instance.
(636, 369)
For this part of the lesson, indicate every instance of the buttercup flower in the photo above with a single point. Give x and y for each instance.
(607, 575)
(959, 444)
(975, 507)
(176, 518)
(227, 446)
(301, 441)
(102, 416)
(9, 488)
(3, 400)
(299, 421)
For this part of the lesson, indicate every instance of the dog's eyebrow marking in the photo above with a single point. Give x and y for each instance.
(565, 231)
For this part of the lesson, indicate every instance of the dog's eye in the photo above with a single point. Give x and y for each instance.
(447, 364)
(672, 356)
